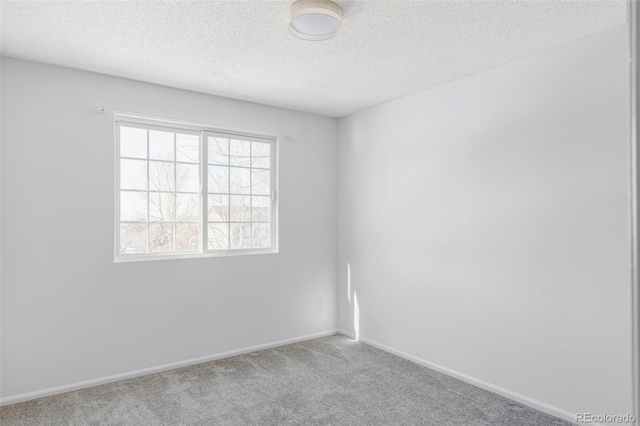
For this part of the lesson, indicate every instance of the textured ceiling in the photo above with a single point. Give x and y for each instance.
(243, 50)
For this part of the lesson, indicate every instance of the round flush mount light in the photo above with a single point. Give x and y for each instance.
(314, 19)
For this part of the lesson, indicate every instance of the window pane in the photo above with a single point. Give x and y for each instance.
(218, 179)
(261, 182)
(187, 148)
(240, 181)
(133, 206)
(240, 208)
(133, 238)
(160, 145)
(218, 150)
(218, 208)
(218, 236)
(240, 153)
(261, 209)
(187, 207)
(187, 178)
(261, 235)
(187, 235)
(240, 235)
(260, 155)
(133, 142)
(160, 237)
(133, 174)
(161, 205)
(161, 176)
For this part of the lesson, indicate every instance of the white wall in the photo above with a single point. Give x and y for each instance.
(486, 226)
(68, 312)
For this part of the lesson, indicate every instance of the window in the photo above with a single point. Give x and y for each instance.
(185, 191)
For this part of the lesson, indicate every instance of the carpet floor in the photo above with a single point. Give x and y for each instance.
(328, 381)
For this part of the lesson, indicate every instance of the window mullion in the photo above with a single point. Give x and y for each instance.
(148, 194)
(229, 192)
(250, 194)
(204, 192)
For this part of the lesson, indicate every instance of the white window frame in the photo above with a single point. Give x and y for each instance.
(204, 131)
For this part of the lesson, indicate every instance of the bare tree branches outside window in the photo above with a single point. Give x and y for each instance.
(239, 190)
(161, 192)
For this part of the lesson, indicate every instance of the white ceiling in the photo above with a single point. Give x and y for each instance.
(243, 50)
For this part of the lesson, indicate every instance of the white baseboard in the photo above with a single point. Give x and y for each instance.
(157, 369)
(523, 399)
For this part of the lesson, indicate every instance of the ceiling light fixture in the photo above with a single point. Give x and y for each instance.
(314, 19)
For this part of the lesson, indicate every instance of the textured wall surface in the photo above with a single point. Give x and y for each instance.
(484, 226)
(69, 313)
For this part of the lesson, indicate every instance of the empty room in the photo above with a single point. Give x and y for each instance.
(319, 213)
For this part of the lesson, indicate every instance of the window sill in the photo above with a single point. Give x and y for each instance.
(152, 257)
